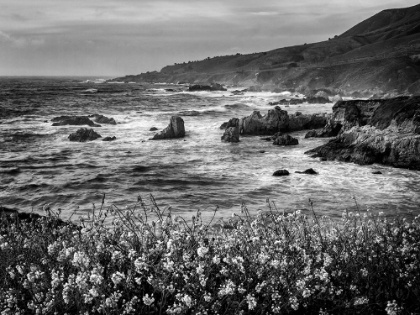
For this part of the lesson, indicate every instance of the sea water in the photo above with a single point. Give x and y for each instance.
(40, 167)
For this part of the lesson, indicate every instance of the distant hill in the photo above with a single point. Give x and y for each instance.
(378, 55)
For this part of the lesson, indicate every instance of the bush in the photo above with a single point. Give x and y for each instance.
(120, 262)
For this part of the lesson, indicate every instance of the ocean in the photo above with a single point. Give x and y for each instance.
(40, 167)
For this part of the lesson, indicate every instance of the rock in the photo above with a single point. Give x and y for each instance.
(309, 171)
(190, 113)
(302, 122)
(109, 138)
(232, 131)
(153, 129)
(281, 173)
(376, 131)
(262, 151)
(237, 92)
(376, 172)
(298, 114)
(224, 125)
(102, 119)
(317, 100)
(212, 87)
(73, 120)
(175, 129)
(276, 120)
(285, 140)
(83, 135)
(311, 134)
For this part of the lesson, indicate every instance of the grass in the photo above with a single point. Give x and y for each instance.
(121, 262)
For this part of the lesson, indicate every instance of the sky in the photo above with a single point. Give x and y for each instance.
(122, 37)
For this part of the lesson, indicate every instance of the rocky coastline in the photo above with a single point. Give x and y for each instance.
(385, 131)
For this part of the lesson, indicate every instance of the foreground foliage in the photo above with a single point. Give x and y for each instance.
(270, 264)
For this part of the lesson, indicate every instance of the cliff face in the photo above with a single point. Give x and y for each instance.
(380, 131)
(380, 54)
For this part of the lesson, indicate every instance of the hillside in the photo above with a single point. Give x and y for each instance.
(380, 54)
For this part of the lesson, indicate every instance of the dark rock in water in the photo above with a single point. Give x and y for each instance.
(383, 131)
(281, 173)
(175, 129)
(309, 171)
(232, 131)
(376, 172)
(102, 119)
(224, 125)
(84, 134)
(237, 92)
(285, 140)
(14, 216)
(262, 151)
(311, 134)
(110, 138)
(317, 100)
(256, 124)
(212, 87)
(73, 120)
(190, 113)
(153, 129)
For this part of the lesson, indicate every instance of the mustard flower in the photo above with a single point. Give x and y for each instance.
(117, 277)
(251, 301)
(148, 300)
(202, 251)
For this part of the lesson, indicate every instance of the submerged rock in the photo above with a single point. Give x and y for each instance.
(175, 129)
(232, 131)
(281, 173)
(302, 122)
(109, 138)
(309, 171)
(83, 135)
(73, 120)
(153, 129)
(285, 139)
(376, 131)
(102, 119)
(212, 87)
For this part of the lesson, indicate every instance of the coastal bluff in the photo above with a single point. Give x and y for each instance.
(385, 131)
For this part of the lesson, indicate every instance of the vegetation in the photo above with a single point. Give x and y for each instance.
(121, 262)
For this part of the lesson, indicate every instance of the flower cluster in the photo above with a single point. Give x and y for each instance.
(268, 264)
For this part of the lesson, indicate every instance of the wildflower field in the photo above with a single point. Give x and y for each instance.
(121, 262)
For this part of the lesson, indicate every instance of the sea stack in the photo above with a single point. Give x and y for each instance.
(175, 129)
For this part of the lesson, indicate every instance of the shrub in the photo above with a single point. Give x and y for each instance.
(121, 262)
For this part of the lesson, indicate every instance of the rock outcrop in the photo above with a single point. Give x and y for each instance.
(83, 135)
(383, 131)
(175, 129)
(73, 120)
(276, 120)
(232, 131)
(301, 122)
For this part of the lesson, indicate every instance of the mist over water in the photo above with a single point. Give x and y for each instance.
(39, 165)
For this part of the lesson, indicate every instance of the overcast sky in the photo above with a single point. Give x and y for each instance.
(119, 37)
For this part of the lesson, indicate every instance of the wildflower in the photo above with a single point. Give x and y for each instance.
(252, 302)
(227, 289)
(202, 251)
(148, 300)
(207, 297)
(364, 272)
(187, 300)
(361, 301)
(216, 260)
(80, 259)
(117, 277)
